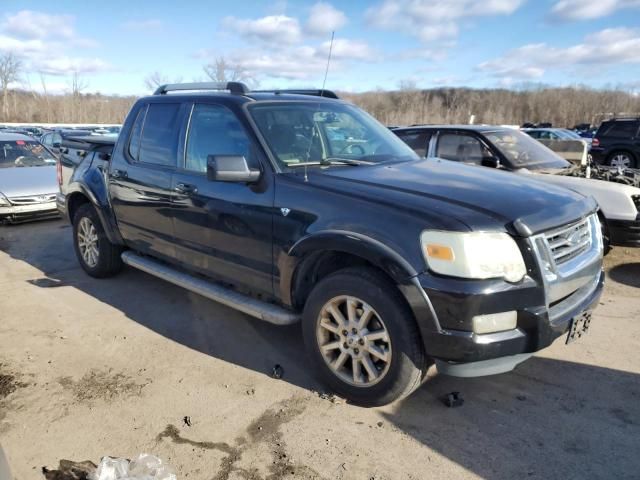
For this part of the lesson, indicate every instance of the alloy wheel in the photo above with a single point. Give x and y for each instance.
(621, 160)
(88, 242)
(354, 341)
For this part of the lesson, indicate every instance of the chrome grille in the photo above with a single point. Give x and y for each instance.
(568, 242)
(33, 199)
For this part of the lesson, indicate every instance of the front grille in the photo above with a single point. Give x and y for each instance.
(33, 199)
(568, 242)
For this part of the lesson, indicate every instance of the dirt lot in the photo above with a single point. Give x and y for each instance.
(112, 367)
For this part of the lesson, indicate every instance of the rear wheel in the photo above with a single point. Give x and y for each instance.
(622, 159)
(97, 255)
(362, 338)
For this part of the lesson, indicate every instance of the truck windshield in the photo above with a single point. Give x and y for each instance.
(326, 133)
(522, 151)
(24, 153)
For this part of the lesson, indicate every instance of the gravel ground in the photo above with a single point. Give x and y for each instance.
(133, 364)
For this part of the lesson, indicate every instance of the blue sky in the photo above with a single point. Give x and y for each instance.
(115, 45)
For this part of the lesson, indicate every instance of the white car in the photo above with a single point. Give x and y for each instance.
(510, 149)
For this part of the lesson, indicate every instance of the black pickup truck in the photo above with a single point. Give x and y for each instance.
(296, 206)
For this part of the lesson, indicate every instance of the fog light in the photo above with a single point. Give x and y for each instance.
(495, 322)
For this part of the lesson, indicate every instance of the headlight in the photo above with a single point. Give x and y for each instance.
(3, 201)
(477, 255)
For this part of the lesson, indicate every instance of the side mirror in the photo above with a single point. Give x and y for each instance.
(230, 168)
(492, 162)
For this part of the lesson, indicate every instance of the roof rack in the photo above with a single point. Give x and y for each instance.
(318, 92)
(237, 88)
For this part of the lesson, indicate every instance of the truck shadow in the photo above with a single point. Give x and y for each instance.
(627, 274)
(547, 419)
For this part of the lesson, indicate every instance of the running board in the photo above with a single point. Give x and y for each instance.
(256, 308)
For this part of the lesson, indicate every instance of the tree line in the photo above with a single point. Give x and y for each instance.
(564, 107)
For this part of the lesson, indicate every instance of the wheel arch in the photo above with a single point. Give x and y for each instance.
(80, 196)
(320, 254)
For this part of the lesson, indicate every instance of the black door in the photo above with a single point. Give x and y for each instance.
(223, 229)
(140, 179)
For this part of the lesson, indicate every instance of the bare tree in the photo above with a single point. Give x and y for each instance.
(155, 79)
(10, 69)
(78, 84)
(221, 70)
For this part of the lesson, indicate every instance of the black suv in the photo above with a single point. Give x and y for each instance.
(617, 143)
(296, 206)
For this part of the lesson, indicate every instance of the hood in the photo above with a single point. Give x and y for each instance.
(479, 198)
(613, 198)
(22, 181)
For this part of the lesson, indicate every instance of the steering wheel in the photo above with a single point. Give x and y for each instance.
(350, 149)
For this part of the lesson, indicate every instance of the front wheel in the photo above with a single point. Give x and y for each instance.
(362, 338)
(97, 255)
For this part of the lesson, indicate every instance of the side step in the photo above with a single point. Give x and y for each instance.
(256, 308)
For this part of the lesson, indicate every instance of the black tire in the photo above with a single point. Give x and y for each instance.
(408, 363)
(632, 160)
(108, 259)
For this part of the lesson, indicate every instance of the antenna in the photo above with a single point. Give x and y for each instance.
(324, 82)
(326, 72)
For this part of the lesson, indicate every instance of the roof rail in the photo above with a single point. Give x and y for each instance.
(233, 87)
(318, 92)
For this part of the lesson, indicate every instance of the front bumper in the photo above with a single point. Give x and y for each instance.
(537, 327)
(624, 233)
(26, 213)
(546, 301)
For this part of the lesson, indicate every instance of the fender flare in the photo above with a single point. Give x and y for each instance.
(106, 217)
(358, 245)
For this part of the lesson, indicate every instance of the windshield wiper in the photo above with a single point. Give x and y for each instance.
(331, 161)
(343, 161)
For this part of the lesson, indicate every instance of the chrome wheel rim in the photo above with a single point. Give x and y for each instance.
(620, 160)
(88, 242)
(354, 341)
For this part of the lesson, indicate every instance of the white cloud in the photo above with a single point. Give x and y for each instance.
(27, 24)
(324, 18)
(530, 62)
(344, 49)
(589, 9)
(45, 43)
(434, 20)
(276, 29)
(65, 65)
(297, 62)
(143, 24)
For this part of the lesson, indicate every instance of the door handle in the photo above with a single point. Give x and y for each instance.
(119, 173)
(185, 188)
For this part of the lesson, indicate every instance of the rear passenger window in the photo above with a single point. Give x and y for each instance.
(134, 141)
(418, 141)
(461, 148)
(622, 129)
(159, 142)
(214, 130)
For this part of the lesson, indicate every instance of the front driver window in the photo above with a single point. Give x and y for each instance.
(214, 130)
(460, 148)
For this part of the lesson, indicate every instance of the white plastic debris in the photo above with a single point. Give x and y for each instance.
(143, 467)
